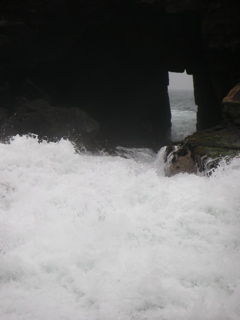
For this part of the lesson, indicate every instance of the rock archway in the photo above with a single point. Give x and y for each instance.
(111, 59)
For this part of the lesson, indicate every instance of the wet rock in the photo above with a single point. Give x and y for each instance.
(51, 123)
(202, 151)
(231, 106)
(112, 59)
(178, 160)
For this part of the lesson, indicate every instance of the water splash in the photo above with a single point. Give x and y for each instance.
(105, 237)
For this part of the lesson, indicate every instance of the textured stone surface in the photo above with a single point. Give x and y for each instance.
(51, 123)
(202, 151)
(231, 106)
(178, 160)
(111, 58)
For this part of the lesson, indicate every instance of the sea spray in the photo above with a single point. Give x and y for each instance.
(110, 237)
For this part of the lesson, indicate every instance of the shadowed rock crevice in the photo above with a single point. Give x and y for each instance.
(111, 59)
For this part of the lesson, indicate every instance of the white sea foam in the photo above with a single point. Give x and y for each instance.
(108, 238)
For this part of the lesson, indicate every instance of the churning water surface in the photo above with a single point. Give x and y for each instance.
(99, 237)
(183, 111)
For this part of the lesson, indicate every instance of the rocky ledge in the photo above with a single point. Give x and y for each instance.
(50, 123)
(202, 151)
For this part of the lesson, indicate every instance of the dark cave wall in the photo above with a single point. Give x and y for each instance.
(111, 59)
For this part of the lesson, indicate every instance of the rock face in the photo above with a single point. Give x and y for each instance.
(231, 106)
(111, 60)
(202, 151)
(179, 159)
(51, 123)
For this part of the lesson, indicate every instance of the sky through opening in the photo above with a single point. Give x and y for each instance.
(180, 81)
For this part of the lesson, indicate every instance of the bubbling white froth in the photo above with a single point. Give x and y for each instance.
(102, 237)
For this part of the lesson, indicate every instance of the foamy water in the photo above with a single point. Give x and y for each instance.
(183, 111)
(88, 237)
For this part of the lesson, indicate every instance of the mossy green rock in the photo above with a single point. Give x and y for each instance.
(205, 148)
(218, 137)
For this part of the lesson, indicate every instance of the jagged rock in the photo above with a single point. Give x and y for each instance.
(51, 123)
(202, 151)
(231, 106)
(178, 160)
(111, 58)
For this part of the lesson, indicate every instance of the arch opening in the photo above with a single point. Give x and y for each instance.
(183, 107)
